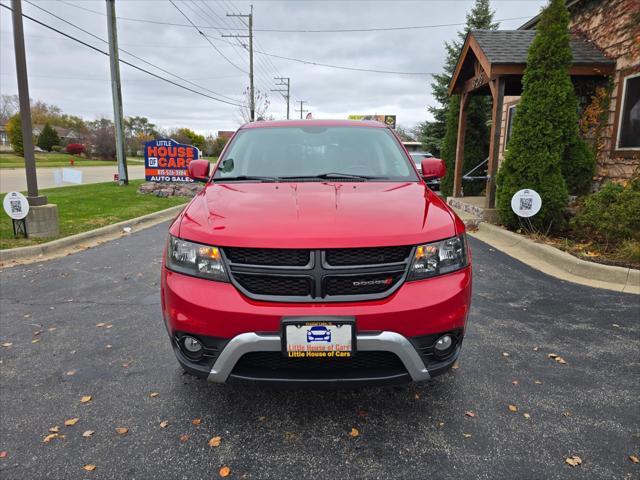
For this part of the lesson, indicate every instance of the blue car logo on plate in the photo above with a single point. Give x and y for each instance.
(318, 334)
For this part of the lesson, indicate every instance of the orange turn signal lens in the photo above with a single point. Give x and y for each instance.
(212, 253)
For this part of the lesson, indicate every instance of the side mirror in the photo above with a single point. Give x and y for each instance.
(199, 170)
(433, 168)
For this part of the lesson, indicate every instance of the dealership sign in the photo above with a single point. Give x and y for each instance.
(388, 120)
(166, 160)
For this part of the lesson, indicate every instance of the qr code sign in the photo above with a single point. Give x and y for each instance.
(16, 206)
(526, 203)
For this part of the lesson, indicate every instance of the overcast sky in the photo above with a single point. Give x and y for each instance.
(76, 78)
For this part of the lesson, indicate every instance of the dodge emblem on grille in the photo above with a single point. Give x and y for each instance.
(362, 283)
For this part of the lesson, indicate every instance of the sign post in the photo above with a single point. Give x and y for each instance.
(166, 160)
(16, 206)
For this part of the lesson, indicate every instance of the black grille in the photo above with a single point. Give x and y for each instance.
(361, 284)
(276, 361)
(339, 257)
(274, 285)
(279, 257)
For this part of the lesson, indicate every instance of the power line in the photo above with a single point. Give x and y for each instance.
(207, 38)
(71, 37)
(341, 67)
(277, 30)
(129, 53)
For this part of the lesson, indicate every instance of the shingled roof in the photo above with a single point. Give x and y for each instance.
(512, 46)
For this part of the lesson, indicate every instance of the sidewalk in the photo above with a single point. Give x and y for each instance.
(15, 180)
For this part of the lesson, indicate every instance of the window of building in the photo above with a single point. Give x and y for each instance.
(629, 120)
(511, 113)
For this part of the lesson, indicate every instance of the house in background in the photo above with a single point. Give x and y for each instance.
(606, 53)
(4, 139)
(67, 135)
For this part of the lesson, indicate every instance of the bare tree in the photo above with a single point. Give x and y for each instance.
(9, 106)
(262, 104)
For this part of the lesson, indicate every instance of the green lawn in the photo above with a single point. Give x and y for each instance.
(10, 160)
(85, 207)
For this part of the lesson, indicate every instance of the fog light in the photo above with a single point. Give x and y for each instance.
(444, 343)
(192, 345)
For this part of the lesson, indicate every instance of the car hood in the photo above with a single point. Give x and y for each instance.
(315, 215)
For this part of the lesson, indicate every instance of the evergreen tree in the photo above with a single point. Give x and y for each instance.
(476, 145)
(546, 120)
(48, 138)
(14, 132)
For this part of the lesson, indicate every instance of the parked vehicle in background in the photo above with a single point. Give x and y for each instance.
(418, 157)
(316, 254)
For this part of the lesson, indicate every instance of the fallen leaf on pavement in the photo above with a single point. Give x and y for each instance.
(51, 436)
(7, 344)
(55, 429)
(3, 454)
(71, 421)
(184, 438)
(416, 397)
(440, 424)
(354, 432)
(466, 435)
(85, 399)
(109, 326)
(456, 365)
(634, 459)
(215, 442)
(125, 365)
(89, 467)
(513, 408)
(108, 346)
(35, 340)
(566, 414)
(262, 419)
(526, 415)
(535, 349)
(154, 394)
(164, 424)
(101, 324)
(224, 471)
(196, 421)
(122, 430)
(552, 355)
(574, 460)
(515, 382)
(71, 372)
(505, 354)
(37, 332)
(538, 382)
(470, 414)
(88, 433)
(560, 360)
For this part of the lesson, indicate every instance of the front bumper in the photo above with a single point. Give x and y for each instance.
(412, 367)
(393, 332)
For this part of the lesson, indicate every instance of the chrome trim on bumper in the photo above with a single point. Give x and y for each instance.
(252, 342)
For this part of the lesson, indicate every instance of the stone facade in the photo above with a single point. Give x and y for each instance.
(614, 27)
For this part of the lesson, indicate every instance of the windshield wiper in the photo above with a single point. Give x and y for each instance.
(240, 178)
(332, 175)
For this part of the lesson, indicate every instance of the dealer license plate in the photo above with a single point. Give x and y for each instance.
(321, 337)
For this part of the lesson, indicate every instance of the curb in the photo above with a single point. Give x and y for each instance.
(84, 240)
(557, 263)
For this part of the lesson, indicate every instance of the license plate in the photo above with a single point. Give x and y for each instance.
(318, 337)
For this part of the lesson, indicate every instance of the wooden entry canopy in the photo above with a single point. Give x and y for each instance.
(492, 62)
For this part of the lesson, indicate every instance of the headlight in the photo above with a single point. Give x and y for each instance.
(437, 258)
(196, 259)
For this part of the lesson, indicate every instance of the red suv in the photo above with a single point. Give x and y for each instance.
(316, 254)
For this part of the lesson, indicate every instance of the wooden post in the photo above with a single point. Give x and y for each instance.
(462, 127)
(497, 93)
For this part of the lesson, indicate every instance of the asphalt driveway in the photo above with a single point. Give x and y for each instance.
(89, 325)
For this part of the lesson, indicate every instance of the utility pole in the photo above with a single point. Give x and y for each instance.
(252, 98)
(25, 107)
(302, 110)
(116, 91)
(284, 81)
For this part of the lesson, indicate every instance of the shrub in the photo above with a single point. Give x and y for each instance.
(48, 138)
(611, 214)
(75, 148)
(57, 148)
(14, 132)
(537, 147)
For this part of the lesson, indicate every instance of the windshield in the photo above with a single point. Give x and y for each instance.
(315, 152)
